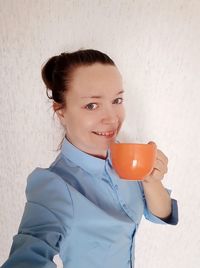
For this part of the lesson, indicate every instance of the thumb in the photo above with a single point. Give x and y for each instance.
(151, 142)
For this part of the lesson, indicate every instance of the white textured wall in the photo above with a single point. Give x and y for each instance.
(157, 47)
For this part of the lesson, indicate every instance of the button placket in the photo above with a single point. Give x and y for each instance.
(113, 180)
(121, 201)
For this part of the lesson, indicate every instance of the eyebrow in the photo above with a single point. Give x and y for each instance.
(99, 97)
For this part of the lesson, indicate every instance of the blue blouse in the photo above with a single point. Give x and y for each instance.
(80, 209)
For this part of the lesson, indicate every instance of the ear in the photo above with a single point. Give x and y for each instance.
(59, 110)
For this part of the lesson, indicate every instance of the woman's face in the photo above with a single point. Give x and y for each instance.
(94, 109)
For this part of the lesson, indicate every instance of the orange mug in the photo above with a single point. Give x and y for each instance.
(133, 161)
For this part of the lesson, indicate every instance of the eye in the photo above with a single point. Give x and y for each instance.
(91, 106)
(118, 101)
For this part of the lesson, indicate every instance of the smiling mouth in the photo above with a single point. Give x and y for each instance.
(107, 134)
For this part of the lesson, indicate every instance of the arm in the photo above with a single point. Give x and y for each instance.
(38, 240)
(157, 198)
(44, 224)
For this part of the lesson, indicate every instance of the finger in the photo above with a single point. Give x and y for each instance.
(151, 142)
(159, 165)
(157, 175)
(161, 156)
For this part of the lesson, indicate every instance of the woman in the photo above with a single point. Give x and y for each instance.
(79, 207)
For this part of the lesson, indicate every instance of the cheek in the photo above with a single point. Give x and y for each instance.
(87, 122)
(122, 114)
(73, 121)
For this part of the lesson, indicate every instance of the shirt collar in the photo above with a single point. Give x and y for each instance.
(91, 164)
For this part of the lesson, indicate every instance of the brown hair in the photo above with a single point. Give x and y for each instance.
(58, 70)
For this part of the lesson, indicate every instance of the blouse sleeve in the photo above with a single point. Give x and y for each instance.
(45, 222)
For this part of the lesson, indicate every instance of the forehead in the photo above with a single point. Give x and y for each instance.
(96, 79)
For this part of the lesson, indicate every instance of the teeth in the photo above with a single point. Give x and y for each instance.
(109, 133)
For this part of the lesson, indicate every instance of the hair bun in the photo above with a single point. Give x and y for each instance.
(48, 72)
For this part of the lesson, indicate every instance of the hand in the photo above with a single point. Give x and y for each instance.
(159, 169)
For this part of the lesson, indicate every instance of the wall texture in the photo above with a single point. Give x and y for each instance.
(156, 45)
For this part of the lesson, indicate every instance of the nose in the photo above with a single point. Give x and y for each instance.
(110, 117)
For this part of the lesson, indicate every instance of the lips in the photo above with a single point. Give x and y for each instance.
(105, 133)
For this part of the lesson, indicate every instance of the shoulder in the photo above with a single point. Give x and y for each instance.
(48, 189)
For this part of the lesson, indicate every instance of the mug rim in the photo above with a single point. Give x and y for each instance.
(129, 143)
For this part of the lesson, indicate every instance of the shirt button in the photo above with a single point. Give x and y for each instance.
(116, 187)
